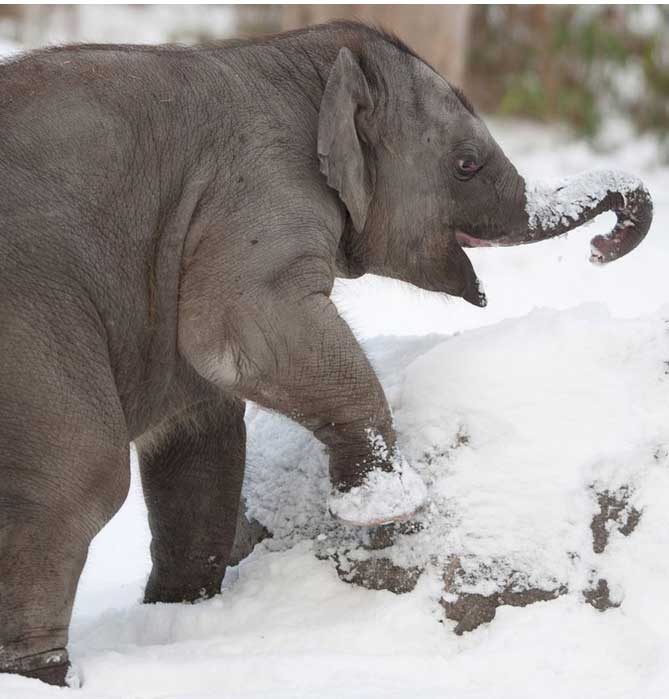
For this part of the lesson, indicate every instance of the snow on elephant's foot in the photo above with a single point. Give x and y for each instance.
(541, 442)
(383, 497)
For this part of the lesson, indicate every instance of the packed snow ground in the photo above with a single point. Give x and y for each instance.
(558, 384)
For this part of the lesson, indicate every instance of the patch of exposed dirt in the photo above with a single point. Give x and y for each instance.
(471, 610)
(599, 596)
(376, 571)
(380, 574)
(615, 512)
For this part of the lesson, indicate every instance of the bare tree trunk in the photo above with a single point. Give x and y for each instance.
(438, 32)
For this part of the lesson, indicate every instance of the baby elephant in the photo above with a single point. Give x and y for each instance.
(171, 224)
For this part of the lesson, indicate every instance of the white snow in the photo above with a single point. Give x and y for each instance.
(514, 416)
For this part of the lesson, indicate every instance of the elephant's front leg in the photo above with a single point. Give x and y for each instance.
(301, 359)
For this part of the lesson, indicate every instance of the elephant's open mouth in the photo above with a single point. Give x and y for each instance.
(469, 241)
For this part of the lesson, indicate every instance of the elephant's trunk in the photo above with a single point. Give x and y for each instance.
(551, 210)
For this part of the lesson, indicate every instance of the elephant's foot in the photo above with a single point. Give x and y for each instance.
(157, 593)
(50, 667)
(382, 498)
(186, 585)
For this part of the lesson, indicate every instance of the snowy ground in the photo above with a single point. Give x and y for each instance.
(559, 384)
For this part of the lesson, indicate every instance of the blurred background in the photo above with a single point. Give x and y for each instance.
(588, 67)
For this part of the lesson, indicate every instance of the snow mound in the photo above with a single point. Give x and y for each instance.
(518, 430)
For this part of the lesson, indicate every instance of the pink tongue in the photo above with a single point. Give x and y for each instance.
(468, 241)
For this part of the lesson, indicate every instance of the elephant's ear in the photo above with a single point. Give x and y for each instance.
(340, 150)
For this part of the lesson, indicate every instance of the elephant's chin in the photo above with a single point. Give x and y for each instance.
(476, 295)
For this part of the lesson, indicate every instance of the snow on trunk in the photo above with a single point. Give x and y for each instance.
(554, 202)
(556, 207)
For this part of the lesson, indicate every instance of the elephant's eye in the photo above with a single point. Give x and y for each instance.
(466, 168)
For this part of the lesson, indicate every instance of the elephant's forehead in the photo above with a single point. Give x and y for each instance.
(440, 104)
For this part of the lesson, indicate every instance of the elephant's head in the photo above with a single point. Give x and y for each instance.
(421, 178)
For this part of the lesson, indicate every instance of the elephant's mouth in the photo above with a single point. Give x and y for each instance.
(501, 241)
(469, 241)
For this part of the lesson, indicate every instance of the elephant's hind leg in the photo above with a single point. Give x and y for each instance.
(192, 469)
(64, 471)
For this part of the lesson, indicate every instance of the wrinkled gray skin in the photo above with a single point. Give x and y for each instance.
(172, 221)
